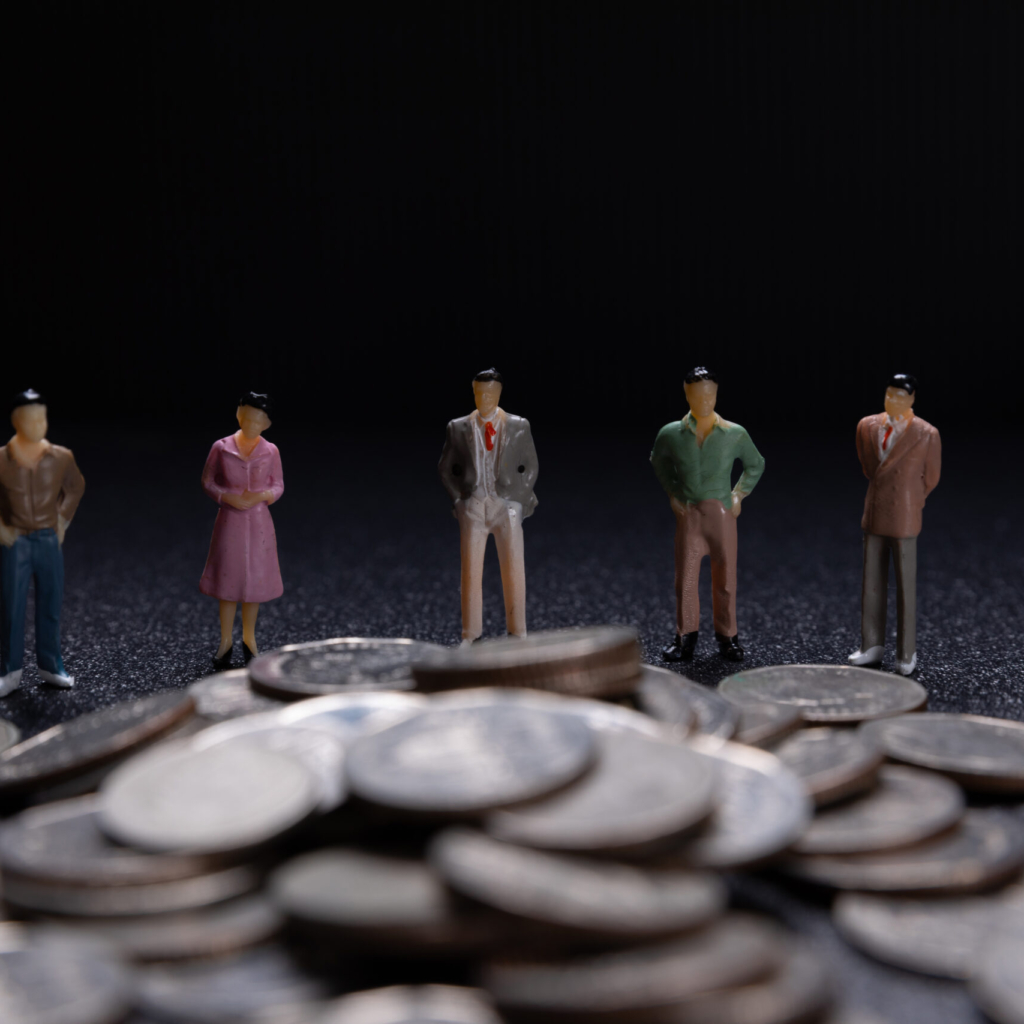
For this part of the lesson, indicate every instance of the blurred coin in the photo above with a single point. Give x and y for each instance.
(225, 990)
(9, 734)
(641, 792)
(998, 986)
(351, 715)
(321, 754)
(797, 992)
(471, 759)
(590, 896)
(762, 725)
(827, 693)
(985, 848)
(979, 753)
(761, 809)
(412, 1004)
(226, 798)
(733, 951)
(595, 661)
(939, 936)
(337, 666)
(906, 806)
(831, 763)
(89, 740)
(228, 695)
(672, 698)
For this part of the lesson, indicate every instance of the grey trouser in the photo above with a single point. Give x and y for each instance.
(874, 593)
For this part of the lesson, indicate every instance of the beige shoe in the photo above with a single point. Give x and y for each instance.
(10, 682)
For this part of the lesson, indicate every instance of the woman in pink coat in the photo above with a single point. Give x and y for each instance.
(243, 475)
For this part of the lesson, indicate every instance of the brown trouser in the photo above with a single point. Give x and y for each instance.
(875, 588)
(707, 528)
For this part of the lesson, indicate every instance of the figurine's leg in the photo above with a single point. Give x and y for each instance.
(15, 574)
(722, 537)
(508, 538)
(874, 595)
(473, 541)
(905, 564)
(250, 609)
(691, 547)
(227, 626)
(48, 569)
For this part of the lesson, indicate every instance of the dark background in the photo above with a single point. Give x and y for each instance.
(357, 210)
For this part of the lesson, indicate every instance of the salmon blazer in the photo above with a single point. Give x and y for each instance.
(899, 486)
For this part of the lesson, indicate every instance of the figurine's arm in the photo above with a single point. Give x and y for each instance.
(753, 466)
(446, 467)
(531, 467)
(932, 463)
(276, 488)
(664, 465)
(860, 449)
(210, 484)
(71, 490)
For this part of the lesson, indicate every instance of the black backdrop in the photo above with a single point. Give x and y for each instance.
(359, 205)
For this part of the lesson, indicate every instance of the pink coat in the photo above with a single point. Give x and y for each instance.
(242, 563)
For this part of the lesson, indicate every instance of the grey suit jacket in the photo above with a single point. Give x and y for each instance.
(516, 464)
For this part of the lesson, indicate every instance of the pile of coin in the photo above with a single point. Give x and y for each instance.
(358, 831)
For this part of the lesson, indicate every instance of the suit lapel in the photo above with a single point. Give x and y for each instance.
(904, 443)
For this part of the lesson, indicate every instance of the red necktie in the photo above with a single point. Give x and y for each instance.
(489, 433)
(888, 434)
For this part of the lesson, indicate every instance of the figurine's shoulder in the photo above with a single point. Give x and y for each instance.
(874, 420)
(460, 422)
(271, 448)
(514, 422)
(673, 429)
(729, 427)
(60, 452)
(924, 427)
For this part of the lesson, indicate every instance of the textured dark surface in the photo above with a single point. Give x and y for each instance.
(368, 547)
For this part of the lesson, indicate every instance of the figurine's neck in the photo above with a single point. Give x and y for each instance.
(246, 444)
(488, 416)
(704, 425)
(904, 417)
(28, 452)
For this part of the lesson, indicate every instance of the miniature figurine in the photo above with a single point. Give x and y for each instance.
(40, 488)
(243, 475)
(489, 467)
(693, 460)
(901, 456)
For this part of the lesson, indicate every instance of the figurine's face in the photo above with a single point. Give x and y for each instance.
(253, 421)
(702, 395)
(486, 394)
(898, 402)
(29, 422)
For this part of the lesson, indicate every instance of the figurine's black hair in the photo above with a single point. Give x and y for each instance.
(491, 374)
(905, 381)
(700, 373)
(28, 397)
(256, 400)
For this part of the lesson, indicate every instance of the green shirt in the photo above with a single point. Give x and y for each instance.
(691, 472)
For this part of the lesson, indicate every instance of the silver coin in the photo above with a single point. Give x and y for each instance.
(672, 698)
(321, 754)
(641, 793)
(412, 1004)
(229, 797)
(763, 725)
(9, 734)
(732, 951)
(228, 695)
(589, 896)
(906, 806)
(831, 763)
(762, 808)
(985, 848)
(351, 715)
(939, 936)
(998, 986)
(471, 759)
(340, 665)
(827, 693)
(980, 753)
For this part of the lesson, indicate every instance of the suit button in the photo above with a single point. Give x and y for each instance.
(522, 469)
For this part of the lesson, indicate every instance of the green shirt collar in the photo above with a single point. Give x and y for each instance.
(690, 424)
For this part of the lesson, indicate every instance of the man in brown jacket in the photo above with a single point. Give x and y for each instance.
(901, 456)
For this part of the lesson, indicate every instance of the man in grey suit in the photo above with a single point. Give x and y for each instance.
(488, 467)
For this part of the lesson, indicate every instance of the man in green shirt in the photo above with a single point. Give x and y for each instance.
(693, 458)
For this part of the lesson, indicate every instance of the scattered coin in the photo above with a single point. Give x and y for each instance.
(672, 698)
(762, 809)
(340, 665)
(229, 797)
(412, 1004)
(593, 897)
(733, 951)
(906, 806)
(939, 936)
(762, 725)
(979, 753)
(641, 793)
(9, 734)
(90, 740)
(985, 848)
(998, 986)
(595, 661)
(472, 759)
(827, 693)
(228, 695)
(831, 763)
(351, 715)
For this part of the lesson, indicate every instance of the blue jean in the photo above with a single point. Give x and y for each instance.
(35, 556)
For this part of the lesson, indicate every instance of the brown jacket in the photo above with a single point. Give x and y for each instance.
(899, 485)
(31, 499)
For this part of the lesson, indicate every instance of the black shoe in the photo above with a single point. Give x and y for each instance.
(223, 663)
(247, 655)
(729, 647)
(682, 649)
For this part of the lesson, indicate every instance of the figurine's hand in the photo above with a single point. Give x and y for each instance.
(677, 506)
(241, 501)
(737, 503)
(62, 528)
(8, 534)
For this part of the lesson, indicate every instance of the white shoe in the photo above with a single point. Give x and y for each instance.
(466, 642)
(906, 667)
(872, 656)
(55, 679)
(10, 682)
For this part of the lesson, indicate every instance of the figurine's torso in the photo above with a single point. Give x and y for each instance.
(32, 498)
